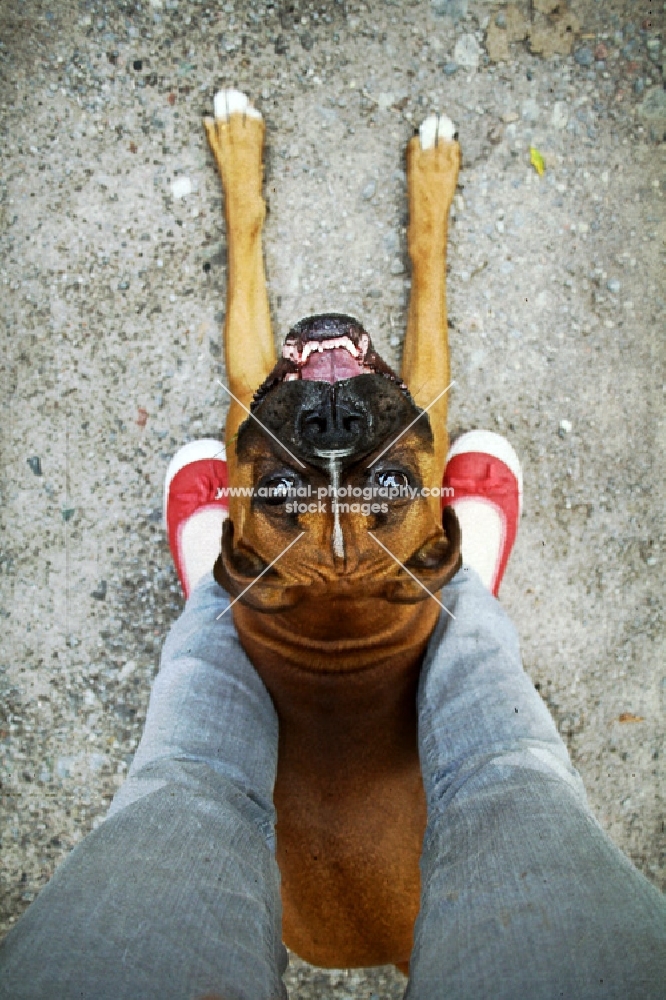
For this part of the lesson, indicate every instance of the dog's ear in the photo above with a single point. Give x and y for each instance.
(239, 569)
(434, 564)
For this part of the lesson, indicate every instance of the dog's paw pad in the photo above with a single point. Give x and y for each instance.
(231, 102)
(434, 129)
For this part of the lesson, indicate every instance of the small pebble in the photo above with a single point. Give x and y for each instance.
(560, 115)
(35, 464)
(127, 670)
(181, 187)
(397, 267)
(64, 766)
(368, 191)
(565, 428)
(584, 56)
(99, 593)
(530, 110)
(467, 52)
(455, 9)
(613, 285)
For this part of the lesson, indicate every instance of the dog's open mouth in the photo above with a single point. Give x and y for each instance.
(327, 360)
(326, 348)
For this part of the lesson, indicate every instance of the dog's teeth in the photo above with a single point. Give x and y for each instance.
(319, 346)
(230, 102)
(434, 128)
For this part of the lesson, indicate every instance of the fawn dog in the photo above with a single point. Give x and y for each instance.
(338, 622)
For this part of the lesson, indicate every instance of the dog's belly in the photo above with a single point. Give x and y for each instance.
(348, 851)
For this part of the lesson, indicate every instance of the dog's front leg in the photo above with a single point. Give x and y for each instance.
(433, 161)
(236, 136)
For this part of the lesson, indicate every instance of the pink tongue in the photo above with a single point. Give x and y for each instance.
(331, 366)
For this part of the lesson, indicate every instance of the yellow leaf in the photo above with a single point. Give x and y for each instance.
(536, 159)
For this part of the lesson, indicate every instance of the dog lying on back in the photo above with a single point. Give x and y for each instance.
(338, 623)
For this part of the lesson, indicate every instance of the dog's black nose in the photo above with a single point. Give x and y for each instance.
(336, 423)
(349, 418)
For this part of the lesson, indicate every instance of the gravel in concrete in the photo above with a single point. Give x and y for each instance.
(112, 271)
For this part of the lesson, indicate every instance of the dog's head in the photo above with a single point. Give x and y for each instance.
(337, 452)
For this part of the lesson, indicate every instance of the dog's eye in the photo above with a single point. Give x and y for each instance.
(392, 479)
(277, 489)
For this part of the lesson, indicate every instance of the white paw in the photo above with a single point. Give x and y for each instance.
(434, 128)
(231, 102)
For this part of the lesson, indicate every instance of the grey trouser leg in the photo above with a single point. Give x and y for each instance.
(176, 894)
(524, 897)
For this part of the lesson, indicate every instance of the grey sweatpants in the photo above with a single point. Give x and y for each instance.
(176, 894)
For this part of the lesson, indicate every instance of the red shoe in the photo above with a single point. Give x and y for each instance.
(194, 509)
(485, 475)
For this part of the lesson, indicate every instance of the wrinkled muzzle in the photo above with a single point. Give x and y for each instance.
(353, 417)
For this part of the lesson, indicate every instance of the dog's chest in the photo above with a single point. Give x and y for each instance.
(350, 818)
(348, 848)
(349, 796)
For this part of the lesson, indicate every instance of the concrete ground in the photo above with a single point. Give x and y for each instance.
(113, 290)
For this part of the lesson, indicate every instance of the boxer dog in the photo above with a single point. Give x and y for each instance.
(336, 605)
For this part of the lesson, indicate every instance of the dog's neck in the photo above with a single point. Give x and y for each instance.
(343, 696)
(337, 636)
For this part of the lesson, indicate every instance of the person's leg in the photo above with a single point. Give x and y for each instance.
(523, 894)
(176, 894)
